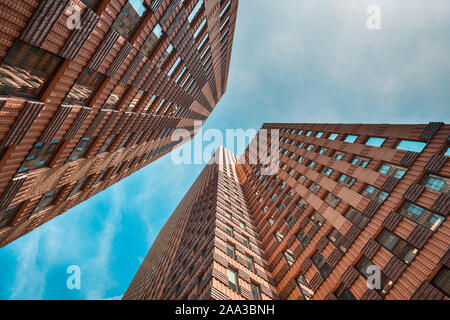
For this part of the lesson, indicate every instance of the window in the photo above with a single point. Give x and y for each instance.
(245, 241)
(78, 186)
(309, 133)
(165, 56)
(116, 96)
(322, 150)
(289, 257)
(314, 187)
(229, 230)
(249, 261)
(350, 138)
(194, 12)
(7, 216)
(305, 289)
(333, 136)
(130, 18)
(255, 291)
(228, 215)
(346, 181)
(91, 3)
(442, 280)
(100, 176)
(374, 194)
(312, 164)
(446, 151)
(437, 183)
(339, 155)
(375, 142)
(47, 200)
(310, 147)
(232, 280)
(332, 200)
(86, 86)
(414, 146)
(302, 204)
(397, 246)
(107, 144)
(26, 70)
(363, 267)
(339, 240)
(152, 40)
(303, 238)
(321, 264)
(343, 293)
(319, 134)
(360, 161)
(356, 217)
(301, 179)
(392, 170)
(230, 250)
(421, 216)
(40, 155)
(290, 221)
(317, 219)
(81, 149)
(279, 236)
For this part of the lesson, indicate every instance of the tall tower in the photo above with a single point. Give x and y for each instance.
(209, 248)
(92, 90)
(345, 201)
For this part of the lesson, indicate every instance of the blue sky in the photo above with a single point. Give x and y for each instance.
(293, 61)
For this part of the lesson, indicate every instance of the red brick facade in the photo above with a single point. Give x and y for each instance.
(346, 197)
(82, 109)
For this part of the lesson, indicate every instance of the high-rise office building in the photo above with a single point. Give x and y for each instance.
(349, 206)
(92, 90)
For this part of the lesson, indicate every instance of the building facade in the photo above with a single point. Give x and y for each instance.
(345, 201)
(92, 90)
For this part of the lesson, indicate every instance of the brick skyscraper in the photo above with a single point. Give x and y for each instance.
(82, 108)
(345, 197)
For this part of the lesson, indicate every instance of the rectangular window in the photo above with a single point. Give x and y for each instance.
(332, 200)
(130, 18)
(40, 156)
(7, 216)
(409, 145)
(392, 170)
(245, 241)
(116, 96)
(374, 194)
(165, 56)
(333, 136)
(356, 217)
(78, 187)
(421, 216)
(343, 293)
(230, 250)
(81, 149)
(250, 264)
(437, 183)
(305, 288)
(350, 138)
(107, 144)
(397, 246)
(26, 70)
(232, 280)
(47, 200)
(442, 280)
(152, 41)
(229, 230)
(321, 264)
(279, 236)
(100, 176)
(314, 187)
(309, 133)
(194, 12)
(322, 150)
(319, 134)
(375, 142)
(136, 100)
(317, 219)
(346, 181)
(86, 86)
(339, 155)
(303, 238)
(339, 240)
(289, 257)
(361, 161)
(255, 291)
(175, 65)
(363, 266)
